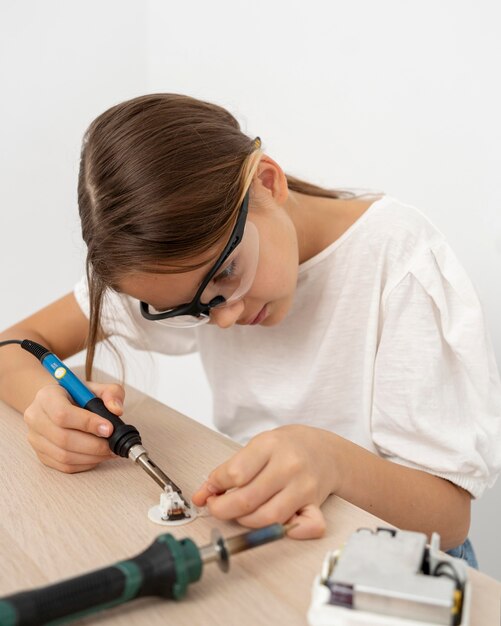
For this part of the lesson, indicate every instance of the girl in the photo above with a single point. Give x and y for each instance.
(341, 337)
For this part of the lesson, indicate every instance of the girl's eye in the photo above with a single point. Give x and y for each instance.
(226, 273)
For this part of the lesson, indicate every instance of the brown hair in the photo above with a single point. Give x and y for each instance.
(161, 176)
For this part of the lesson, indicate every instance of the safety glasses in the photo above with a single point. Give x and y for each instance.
(229, 279)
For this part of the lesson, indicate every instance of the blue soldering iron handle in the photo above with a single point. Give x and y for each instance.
(124, 436)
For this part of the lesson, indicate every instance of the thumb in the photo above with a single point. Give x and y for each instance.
(111, 394)
(310, 523)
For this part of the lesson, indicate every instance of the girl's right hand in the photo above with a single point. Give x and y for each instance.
(67, 437)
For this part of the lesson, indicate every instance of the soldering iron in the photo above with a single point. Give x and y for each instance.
(164, 569)
(125, 440)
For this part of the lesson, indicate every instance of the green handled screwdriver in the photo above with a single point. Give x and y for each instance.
(164, 569)
(125, 440)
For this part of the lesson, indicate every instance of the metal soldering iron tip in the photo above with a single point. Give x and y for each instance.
(139, 455)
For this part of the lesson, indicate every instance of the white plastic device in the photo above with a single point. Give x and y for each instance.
(390, 578)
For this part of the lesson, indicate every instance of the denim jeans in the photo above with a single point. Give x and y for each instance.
(465, 551)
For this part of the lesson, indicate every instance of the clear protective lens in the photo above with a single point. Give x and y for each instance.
(235, 277)
(231, 281)
(184, 321)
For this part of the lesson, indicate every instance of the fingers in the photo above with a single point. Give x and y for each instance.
(238, 471)
(61, 467)
(308, 520)
(112, 395)
(61, 459)
(199, 498)
(245, 500)
(56, 405)
(69, 439)
(278, 509)
(311, 523)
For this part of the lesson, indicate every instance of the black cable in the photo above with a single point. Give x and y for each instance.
(9, 341)
(32, 347)
(452, 574)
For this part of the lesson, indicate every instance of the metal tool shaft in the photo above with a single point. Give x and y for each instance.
(140, 456)
(219, 549)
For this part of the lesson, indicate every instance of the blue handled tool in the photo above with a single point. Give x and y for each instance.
(125, 440)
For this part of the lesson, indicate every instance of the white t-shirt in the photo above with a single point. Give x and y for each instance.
(385, 344)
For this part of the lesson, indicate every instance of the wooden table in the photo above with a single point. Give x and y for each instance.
(55, 526)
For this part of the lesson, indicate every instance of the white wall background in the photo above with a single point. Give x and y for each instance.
(396, 96)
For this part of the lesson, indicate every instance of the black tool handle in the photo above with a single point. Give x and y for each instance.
(154, 572)
(124, 436)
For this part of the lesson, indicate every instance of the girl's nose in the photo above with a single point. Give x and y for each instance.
(227, 315)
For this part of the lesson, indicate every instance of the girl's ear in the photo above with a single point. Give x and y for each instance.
(271, 179)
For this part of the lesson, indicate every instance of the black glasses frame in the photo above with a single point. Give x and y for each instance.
(196, 308)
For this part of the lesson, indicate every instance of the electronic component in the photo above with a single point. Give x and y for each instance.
(172, 510)
(390, 577)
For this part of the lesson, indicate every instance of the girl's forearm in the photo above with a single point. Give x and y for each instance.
(406, 498)
(20, 373)
(61, 327)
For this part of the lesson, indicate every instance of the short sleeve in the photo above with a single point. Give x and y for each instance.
(437, 391)
(121, 317)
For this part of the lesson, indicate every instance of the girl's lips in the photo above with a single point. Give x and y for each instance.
(260, 316)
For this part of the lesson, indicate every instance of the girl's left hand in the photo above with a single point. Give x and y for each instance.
(281, 475)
